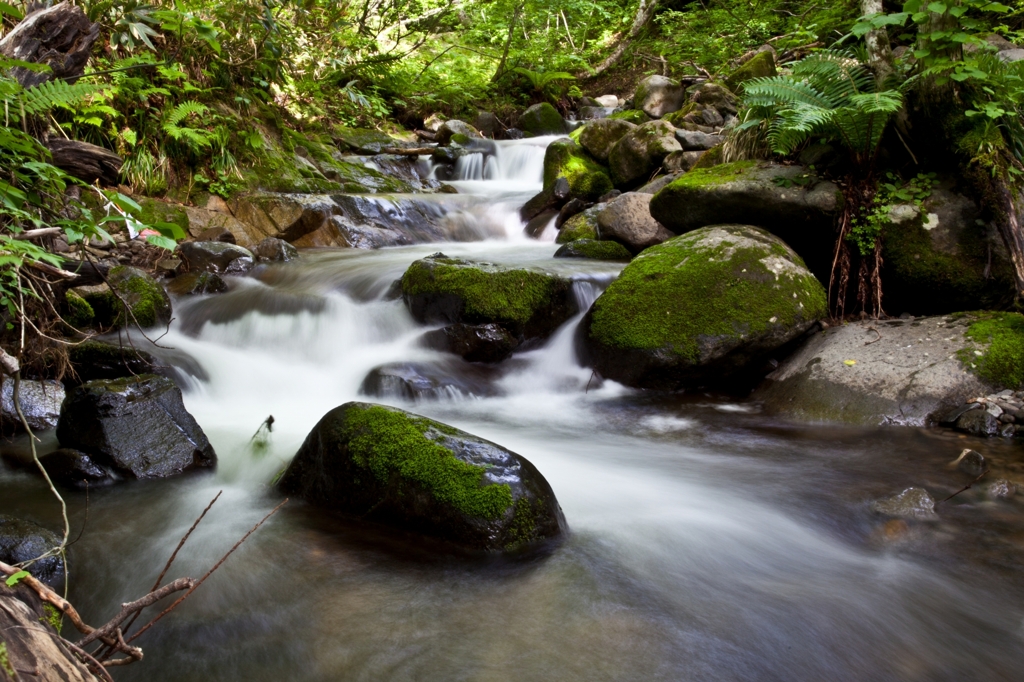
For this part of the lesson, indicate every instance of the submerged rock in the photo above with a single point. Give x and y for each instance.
(216, 257)
(390, 466)
(474, 342)
(427, 381)
(40, 403)
(971, 462)
(137, 425)
(197, 284)
(76, 469)
(527, 303)
(22, 540)
(594, 250)
(701, 309)
(912, 503)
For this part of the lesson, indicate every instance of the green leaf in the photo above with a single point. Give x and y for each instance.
(937, 7)
(16, 578)
(161, 241)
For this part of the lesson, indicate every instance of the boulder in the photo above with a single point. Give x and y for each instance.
(147, 302)
(363, 140)
(137, 425)
(272, 250)
(97, 360)
(487, 123)
(338, 231)
(426, 381)
(539, 223)
(382, 464)
(716, 96)
(216, 257)
(1010, 56)
(197, 284)
(565, 159)
(542, 119)
(527, 303)
(694, 140)
(217, 234)
(679, 162)
(761, 65)
(701, 309)
(640, 152)
(74, 469)
(594, 250)
(450, 129)
(22, 540)
(571, 208)
(788, 201)
(878, 372)
(40, 403)
(202, 221)
(944, 258)
(627, 219)
(658, 95)
(474, 342)
(583, 225)
(594, 113)
(607, 101)
(599, 137)
(283, 216)
(634, 116)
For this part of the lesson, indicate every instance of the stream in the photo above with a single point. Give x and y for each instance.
(707, 542)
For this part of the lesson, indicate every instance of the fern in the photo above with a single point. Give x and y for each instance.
(194, 138)
(43, 97)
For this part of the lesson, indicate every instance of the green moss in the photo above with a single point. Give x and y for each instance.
(580, 226)
(676, 117)
(674, 294)
(362, 140)
(575, 134)
(459, 138)
(566, 159)
(145, 297)
(715, 175)
(53, 617)
(760, 66)
(1001, 337)
(80, 314)
(391, 443)
(5, 662)
(523, 529)
(542, 119)
(632, 115)
(488, 292)
(715, 156)
(155, 211)
(595, 250)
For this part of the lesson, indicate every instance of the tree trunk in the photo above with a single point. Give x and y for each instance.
(60, 36)
(85, 161)
(1009, 211)
(879, 51)
(644, 13)
(508, 43)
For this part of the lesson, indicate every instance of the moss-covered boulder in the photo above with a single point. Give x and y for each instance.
(594, 250)
(216, 257)
(714, 95)
(137, 425)
(599, 137)
(77, 311)
(565, 159)
(98, 360)
(942, 258)
(788, 201)
(761, 65)
(701, 309)
(381, 464)
(363, 140)
(542, 119)
(450, 129)
(147, 303)
(583, 225)
(658, 95)
(527, 303)
(994, 348)
(640, 152)
(634, 116)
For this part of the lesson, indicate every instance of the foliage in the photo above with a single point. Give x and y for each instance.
(892, 191)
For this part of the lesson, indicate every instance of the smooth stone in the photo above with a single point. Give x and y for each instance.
(40, 403)
(216, 257)
(22, 540)
(427, 381)
(474, 342)
(912, 503)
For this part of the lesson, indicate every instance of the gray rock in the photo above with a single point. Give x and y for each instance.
(474, 342)
(139, 426)
(427, 381)
(905, 373)
(216, 257)
(1014, 55)
(658, 95)
(487, 123)
(977, 423)
(694, 140)
(640, 152)
(912, 503)
(40, 403)
(455, 127)
(677, 162)
(542, 119)
(607, 101)
(599, 137)
(272, 250)
(971, 462)
(22, 540)
(712, 117)
(75, 469)
(595, 113)
(627, 219)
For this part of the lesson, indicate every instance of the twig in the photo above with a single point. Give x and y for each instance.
(966, 487)
(872, 329)
(128, 608)
(50, 597)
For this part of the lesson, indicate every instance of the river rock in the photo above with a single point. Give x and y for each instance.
(640, 152)
(565, 159)
(137, 425)
(282, 216)
(627, 219)
(98, 360)
(487, 123)
(594, 250)
(583, 225)
(877, 372)
(147, 303)
(717, 96)
(206, 221)
(526, 303)
(74, 469)
(675, 163)
(599, 137)
(571, 208)
(450, 129)
(788, 201)
(22, 540)
(542, 119)
(944, 258)
(912, 503)
(761, 65)
(363, 140)
(971, 462)
(427, 381)
(40, 403)
(594, 113)
(272, 250)
(369, 222)
(197, 284)
(216, 257)
(474, 342)
(701, 309)
(658, 95)
(977, 423)
(695, 140)
(382, 464)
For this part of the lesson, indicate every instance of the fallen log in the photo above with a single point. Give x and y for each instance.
(85, 161)
(407, 151)
(60, 37)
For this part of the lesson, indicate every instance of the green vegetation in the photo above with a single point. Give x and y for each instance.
(144, 297)
(715, 175)
(1000, 360)
(593, 249)
(389, 442)
(5, 662)
(587, 179)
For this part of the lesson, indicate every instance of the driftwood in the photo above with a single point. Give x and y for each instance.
(60, 36)
(85, 161)
(407, 151)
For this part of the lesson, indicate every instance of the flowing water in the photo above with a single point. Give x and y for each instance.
(707, 542)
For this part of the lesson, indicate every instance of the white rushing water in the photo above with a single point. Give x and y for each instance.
(703, 546)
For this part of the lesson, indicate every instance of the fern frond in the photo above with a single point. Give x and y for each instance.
(184, 110)
(47, 95)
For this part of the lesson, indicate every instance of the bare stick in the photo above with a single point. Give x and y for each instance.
(50, 597)
(127, 609)
(208, 573)
(94, 666)
(966, 487)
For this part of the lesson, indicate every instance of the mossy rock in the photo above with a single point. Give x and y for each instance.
(527, 303)
(996, 353)
(79, 314)
(156, 211)
(147, 302)
(635, 157)
(581, 226)
(98, 360)
(702, 309)
(542, 119)
(678, 118)
(598, 137)
(761, 65)
(587, 179)
(381, 464)
(711, 158)
(363, 140)
(634, 116)
(594, 250)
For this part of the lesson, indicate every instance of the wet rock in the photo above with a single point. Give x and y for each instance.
(658, 95)
(527, 303)
(22, 540)
(536, 227)
(272, 250)
(75, 469)
(1001, 490)
(599, 137)
(40, 403)
(283, 216)
(594, 250)
(217, 234)
(564, 159)
(627, 219)
(571, 208)
(197, 284)
(876, 372)
(971, 463)
(381, 464)
(583, 225)
(474, 342)
(978, 423)
(640, 152)
(701, 309)
(216, 257)
(97, 360)
(426, 381)
(341, 232)
(449, 129)
(788, 201)
(694, 140)
(542, 119)
(139, 426)
(912, 503)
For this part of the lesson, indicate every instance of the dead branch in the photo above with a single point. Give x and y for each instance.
(410, 151)
(42, 232)
(127, 609)
(50, 597)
